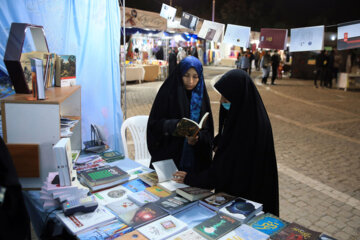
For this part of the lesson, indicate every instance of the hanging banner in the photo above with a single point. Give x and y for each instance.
(176, 27)
(348, 35)
(307, 39)
(168, 12)
(273, 38)
(212, 31)
(237, 35)
(189, 21)
(143, 19)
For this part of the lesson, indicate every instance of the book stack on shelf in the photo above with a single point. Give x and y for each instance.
(67, 124)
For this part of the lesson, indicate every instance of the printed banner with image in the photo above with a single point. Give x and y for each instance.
(168, 12)
(348, 35)
(273, 38)
(212, 31)
(189, 21)
(143, 19)
(237, 35)
(307, 39)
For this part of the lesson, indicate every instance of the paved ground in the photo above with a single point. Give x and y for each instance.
(317, 143)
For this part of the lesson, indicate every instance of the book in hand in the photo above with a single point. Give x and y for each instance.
(242, 209)
(109, 231)
(150, 178)
(245, 232)
(174, 203)
(132, 235)
(165, 170)
(296, 231)
(142, 198)
(217, 226)
(217, 200)
(267, 223)
(103, 177)
(163, 228)
(193, 193)
(187, 127)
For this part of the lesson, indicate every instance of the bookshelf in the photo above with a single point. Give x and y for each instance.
(32, 127)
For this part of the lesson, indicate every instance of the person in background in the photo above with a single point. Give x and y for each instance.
(337, 64)
(181, 54)
(172, 61)
(194, 52)
(329, 69)
(183, 94)
(160, 54)
(275, 61)
(244, 163)
(265, 66)
(245, 62)
(257, 59)
(238, 62)
(251, 57)
(318, 65)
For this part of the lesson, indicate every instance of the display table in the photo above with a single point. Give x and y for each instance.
(230, 62)
(135, 73)
(151, 72)
(349, 81)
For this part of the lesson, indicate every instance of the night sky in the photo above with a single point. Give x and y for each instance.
(261, 13)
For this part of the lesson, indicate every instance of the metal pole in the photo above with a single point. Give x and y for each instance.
(213, 10)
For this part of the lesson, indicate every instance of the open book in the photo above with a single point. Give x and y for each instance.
(188, 127)
(165, 170)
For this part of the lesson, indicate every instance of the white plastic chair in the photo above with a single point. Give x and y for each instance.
(137, 127)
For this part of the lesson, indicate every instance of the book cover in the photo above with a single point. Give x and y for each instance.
(163, 228)
(122, 206)
(188, 127)
(37, 78)
(323, 236)
(111, 195)
(108, 231)
(268, 223)
(143, 197)
(296, 231)
(245, 232)
(112, 156)
(134, 173)
(195, 215)
(132, 235)
(65, 68)
(150, 178)
(189, 234)
(193, 193)
(107, 174)
(174, 203)
(157, 191)
(241, 209)
(136, 185)
(216, 226)
(143, 215)
(217, 200)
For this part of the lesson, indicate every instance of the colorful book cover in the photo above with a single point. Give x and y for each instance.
(111, 195)
(108, 232)
(150, 178)
(132, 235)
(189, 234)
(157, 191)
(136, 185)
(174, 203)
(241, 209)
(143, 197)
(134, 173)
(112, 156)
(217, 226)
(268, 223)
(296, 231)
(163, 228)
(107, 174)
(122, 206)
(245, 232)
(217, 200)
(195, 215)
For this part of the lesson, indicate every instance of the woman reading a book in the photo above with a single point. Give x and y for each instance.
(244, 164)
(183, 95)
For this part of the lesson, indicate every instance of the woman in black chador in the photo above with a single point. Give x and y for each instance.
(183, 94)
(244, 164)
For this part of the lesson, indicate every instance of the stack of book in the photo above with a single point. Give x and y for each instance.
(242, 209)
(66, 125)
(193, 193)
(216, 201)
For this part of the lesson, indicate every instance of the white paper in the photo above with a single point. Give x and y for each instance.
(165, 169)
(212, 31)
(237, 35)
(167, 12)
(307, 39)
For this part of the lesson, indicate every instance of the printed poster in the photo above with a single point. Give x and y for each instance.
(237, 35)
(273, 38)
(307, 39)
(189, 21)
(143, 19)
(167, 12)
(212, 31)
(348, 35)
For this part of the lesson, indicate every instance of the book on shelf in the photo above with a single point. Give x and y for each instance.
(136, 218)
(109, 231)
(245, 232)
(103, 177)
(112, 156)
(193, 193)
(267, 223)
(150, 178)
(217, 200)
(296, 231)
(189, 234)
(157, 191)
(163, 228)
(242, 209)
(142, 198)
(37, 79)
(195, 215)
(187, 127)
(65, 70)
(165, 170)
(135, 185)
(81, 222)
(122, 206)
(217, 226)
(174, 203)
(132, 235)
(110, 195)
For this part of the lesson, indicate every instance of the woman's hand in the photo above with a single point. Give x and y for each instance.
(179, 176)
(192, 140)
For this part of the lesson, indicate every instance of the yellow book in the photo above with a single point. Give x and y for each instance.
(157, 191)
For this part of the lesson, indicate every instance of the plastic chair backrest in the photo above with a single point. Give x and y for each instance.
(137, 126)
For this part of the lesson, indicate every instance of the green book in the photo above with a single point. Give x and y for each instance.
(111, 156)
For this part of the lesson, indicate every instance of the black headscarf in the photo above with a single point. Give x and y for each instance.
(245, 163)
(171, 104)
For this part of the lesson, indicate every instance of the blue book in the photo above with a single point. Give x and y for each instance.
(268, 223)
(109, 231)
(126, 164)
(136, 185)
(195, 215)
